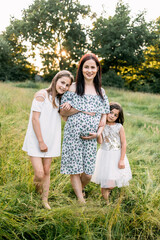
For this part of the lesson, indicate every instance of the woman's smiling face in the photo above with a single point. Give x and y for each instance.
(89, 70)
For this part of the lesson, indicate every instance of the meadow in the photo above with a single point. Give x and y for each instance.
(133, 212)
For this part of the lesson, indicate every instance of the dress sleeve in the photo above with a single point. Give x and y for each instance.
(37, 105)
(105, 102)
(67, 97)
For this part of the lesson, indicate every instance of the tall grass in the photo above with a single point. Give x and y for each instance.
(133, 212)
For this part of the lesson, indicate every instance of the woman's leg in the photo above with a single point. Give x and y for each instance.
(77, 186)
(46, 181)
(85, 179)
(38, 172)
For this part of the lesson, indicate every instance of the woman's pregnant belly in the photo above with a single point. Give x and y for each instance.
(81, 124)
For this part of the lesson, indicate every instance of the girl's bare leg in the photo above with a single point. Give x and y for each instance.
(41, 169)
(105, 193)
(77, 187)
(46, 181)
(38, 172)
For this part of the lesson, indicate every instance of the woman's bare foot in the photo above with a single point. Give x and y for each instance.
(83, 192)
(39, 188)
(46, 204)
(81, 201)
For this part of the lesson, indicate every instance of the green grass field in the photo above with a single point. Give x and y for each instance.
(133, 212)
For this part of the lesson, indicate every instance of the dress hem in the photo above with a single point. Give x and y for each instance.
(75, 173)
(33, 155)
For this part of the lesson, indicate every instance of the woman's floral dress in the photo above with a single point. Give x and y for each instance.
(79, 155)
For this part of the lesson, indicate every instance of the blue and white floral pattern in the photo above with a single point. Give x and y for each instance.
(79, 155)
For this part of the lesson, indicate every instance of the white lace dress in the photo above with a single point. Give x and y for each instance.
(107, 173)
(50, 123)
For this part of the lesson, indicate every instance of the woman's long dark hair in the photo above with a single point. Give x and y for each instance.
(115, 105)
(80, 83)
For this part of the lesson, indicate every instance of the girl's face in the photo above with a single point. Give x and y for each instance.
(113, 115)
(62, 85)
(89, 70)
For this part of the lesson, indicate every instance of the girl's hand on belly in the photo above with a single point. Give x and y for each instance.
(90, 136)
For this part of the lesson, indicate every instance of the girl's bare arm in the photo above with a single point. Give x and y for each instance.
(121, 163)
(37, 129)
(36, 125)
(102, 122)
(99, 135)
(67, 113)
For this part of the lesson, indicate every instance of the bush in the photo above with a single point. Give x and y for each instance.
(27, 84)
(150, 85)
(49, 76)
(111, 79)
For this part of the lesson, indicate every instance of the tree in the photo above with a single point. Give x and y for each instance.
(19, 67)
(5, 59)
(119, 41)
(54, 28)
(12, 68)
(150, 68)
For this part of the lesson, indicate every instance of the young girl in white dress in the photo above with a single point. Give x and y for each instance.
(43, 137)
(112, 166)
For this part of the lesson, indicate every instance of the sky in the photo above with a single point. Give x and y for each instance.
(14, 8)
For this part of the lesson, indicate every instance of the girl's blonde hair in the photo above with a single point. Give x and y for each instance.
(52, 88)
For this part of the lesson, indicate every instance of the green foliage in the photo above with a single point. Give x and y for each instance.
(120, 41)
(27, 84)
(55, 27)
(127, 46)
(111, 79)
(5, 59)
(133, 212)
(146, 76)
(13, 65)
(49, 76)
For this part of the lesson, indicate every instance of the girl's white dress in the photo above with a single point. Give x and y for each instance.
(107, 173)
(50, 123)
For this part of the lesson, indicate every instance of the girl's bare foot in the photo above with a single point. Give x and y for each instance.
(46, 204)
(105, 193)
(107, 196)
(107, 201)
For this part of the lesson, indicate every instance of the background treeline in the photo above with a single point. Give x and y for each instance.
(129, 48)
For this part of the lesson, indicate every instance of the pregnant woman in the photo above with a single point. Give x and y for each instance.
(89, 105)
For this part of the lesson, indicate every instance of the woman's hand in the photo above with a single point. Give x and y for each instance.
(91, 136)
(66, 106)
(43, 147)
(121, 164)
